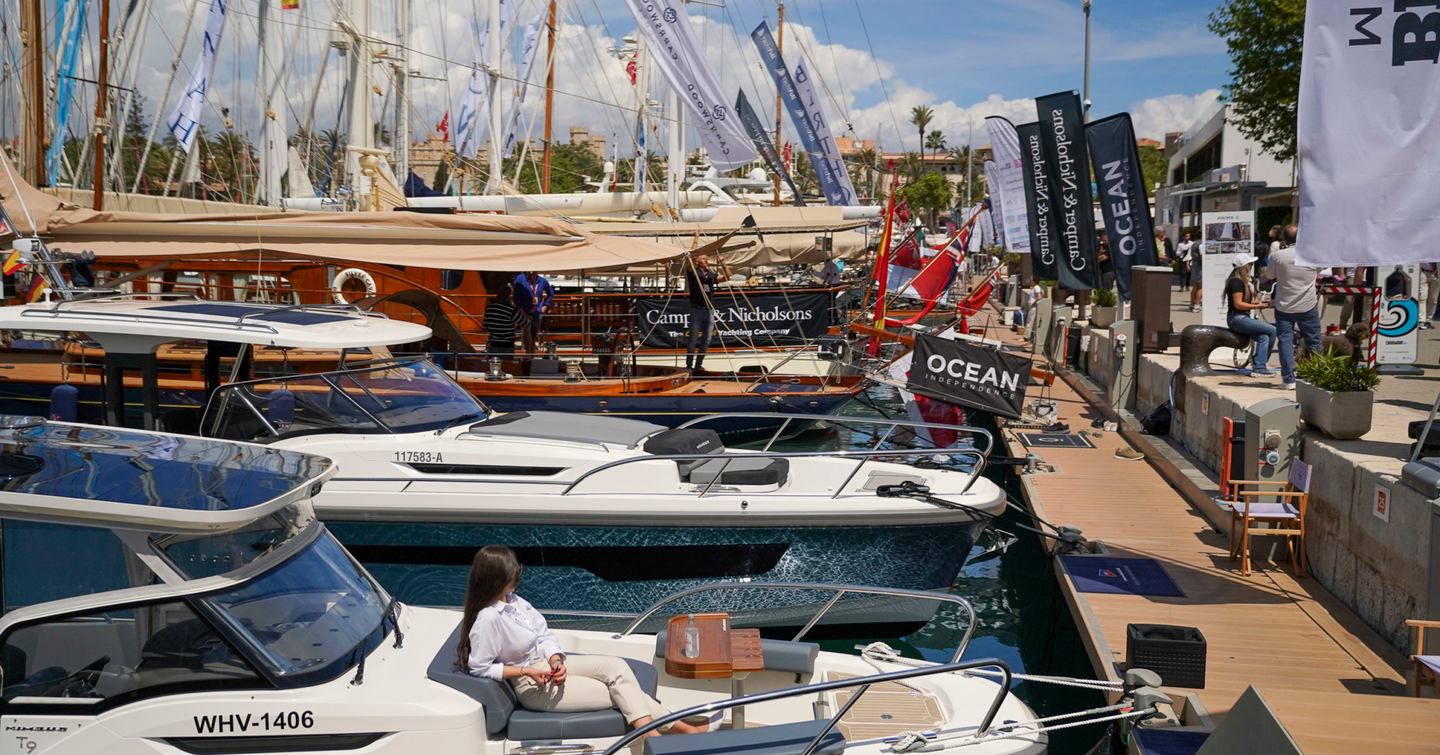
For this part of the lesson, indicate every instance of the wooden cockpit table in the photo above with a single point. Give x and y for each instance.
(725, 653)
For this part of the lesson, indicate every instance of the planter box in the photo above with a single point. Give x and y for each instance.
(1103, 317)
(1177, 654)
(1343, 416)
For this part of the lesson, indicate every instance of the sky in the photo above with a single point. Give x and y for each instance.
(966, 59)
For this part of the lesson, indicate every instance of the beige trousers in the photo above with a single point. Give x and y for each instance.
(594, 682)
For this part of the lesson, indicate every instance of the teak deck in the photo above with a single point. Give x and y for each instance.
(1334, 683)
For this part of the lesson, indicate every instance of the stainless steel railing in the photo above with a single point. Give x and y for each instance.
(840, 592)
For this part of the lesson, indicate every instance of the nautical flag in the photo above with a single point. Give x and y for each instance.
(37, 288)
(528, 55)
(443, 127)
(1367, 133)
(13, 263)
(184, 120)
(290, 4)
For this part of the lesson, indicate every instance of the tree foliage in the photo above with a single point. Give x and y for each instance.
(929, 192)
(1153, 166)
(920, 117)
(1264, 38)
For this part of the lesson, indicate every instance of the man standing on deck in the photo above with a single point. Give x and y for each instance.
(533, 296)
(1296, 304)
(700, 285)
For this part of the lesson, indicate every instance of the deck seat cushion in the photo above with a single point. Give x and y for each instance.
(503, 714)
(780, 655)
(785, 739)
(741, 471)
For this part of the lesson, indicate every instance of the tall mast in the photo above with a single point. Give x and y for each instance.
(779, 108)
(361, 131)
(492, 184)
(274, 152)
(102, 93)
(401, 135)
(32, 32)
(549, 99)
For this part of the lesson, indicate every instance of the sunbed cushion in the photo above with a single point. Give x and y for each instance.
(1430, 661)
(785, 739)
(780, 655)
(740, 471)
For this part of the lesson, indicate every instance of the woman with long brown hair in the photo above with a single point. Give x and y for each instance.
(507, 640)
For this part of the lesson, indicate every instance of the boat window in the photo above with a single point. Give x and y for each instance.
(316, 615)
(120, 654)
(451, 279)
(397, 397)
(39, 563)
(197, 557)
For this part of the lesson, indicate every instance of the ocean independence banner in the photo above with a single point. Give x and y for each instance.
(757, 319)
(1067, 164)
(1123, 200)
(968, 374)
(1368, 138)
(1044, 243)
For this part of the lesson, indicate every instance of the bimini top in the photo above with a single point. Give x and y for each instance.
(154, 482)
(148, 320)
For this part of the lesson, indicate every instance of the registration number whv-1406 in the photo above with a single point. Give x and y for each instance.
(240, 723)
(419, 457)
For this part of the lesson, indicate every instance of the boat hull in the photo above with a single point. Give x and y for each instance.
(619, 570)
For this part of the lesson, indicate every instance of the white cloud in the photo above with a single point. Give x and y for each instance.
(1158, 116)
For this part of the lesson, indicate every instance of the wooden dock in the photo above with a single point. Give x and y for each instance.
(1334, 683)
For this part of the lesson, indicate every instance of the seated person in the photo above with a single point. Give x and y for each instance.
(506, 639)
(1240, 301)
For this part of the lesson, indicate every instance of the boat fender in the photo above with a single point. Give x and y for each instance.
(337, 286)
(65, 403)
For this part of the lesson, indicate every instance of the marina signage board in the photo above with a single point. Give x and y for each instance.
(1369, 149)
(1067, 165)
(665, 27)
(1123, 200)
(1044, 242)
(740, 320)
(1398, 330)
(1223, 237)
(970, 375)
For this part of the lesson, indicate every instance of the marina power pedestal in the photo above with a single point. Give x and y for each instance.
(1053, 347)
(1121, 384)
(1272, 439)
(1150, 306)
(1038, 324)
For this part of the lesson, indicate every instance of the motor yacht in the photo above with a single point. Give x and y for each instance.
(167, 593)
(606, 513)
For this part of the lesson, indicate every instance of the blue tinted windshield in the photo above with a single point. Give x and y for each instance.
(317, 613)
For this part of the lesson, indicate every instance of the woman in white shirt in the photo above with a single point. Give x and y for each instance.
(508, 640)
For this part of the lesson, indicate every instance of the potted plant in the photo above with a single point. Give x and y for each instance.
(1105, 301)
(1336, 394)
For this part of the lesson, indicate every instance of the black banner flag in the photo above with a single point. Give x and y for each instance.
(740, 320)
(1123, 200)
(1067, 163)
(1044, 242)
(969, 374)
(756, 131)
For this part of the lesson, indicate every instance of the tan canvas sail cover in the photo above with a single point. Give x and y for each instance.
(497, 243)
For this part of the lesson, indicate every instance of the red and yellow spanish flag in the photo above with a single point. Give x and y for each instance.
(289, 4)
(13, 263)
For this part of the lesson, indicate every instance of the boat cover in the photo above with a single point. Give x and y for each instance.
(583, 428)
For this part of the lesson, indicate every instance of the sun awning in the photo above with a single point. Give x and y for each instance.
(495, 243)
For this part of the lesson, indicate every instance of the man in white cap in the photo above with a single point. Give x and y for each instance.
(1240, 302)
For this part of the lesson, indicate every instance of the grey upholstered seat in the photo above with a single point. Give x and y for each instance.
(785, 739)
(505, 718)
(741, 471)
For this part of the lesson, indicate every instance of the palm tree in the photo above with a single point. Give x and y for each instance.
(870, 163)
(935, 142)
(913, 163)
(921, 116)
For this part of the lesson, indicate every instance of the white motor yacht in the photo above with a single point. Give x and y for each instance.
(606, 513)
(174, 594)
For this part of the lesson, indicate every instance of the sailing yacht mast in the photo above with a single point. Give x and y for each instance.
(361, 131)
(779, 107)
(492, 184)
(102, 94)
(274, 154)
(401, 136)
(549, 99)
(32, 31)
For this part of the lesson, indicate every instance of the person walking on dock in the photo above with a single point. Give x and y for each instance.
(700, 282)
(1297, 305)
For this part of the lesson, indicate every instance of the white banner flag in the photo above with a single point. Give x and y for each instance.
(804, 76)
(527, 57)
(1008, 186)
(472, 115)
(184, 121)
(1369, 134)
(671, 41)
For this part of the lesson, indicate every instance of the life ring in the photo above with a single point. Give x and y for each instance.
(337, 286)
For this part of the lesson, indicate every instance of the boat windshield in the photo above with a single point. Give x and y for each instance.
(315, 614)
(402, 396)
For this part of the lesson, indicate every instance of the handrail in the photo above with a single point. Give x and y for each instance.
(863, 456)
(841, 418)
(863, 682)
(839, 590)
